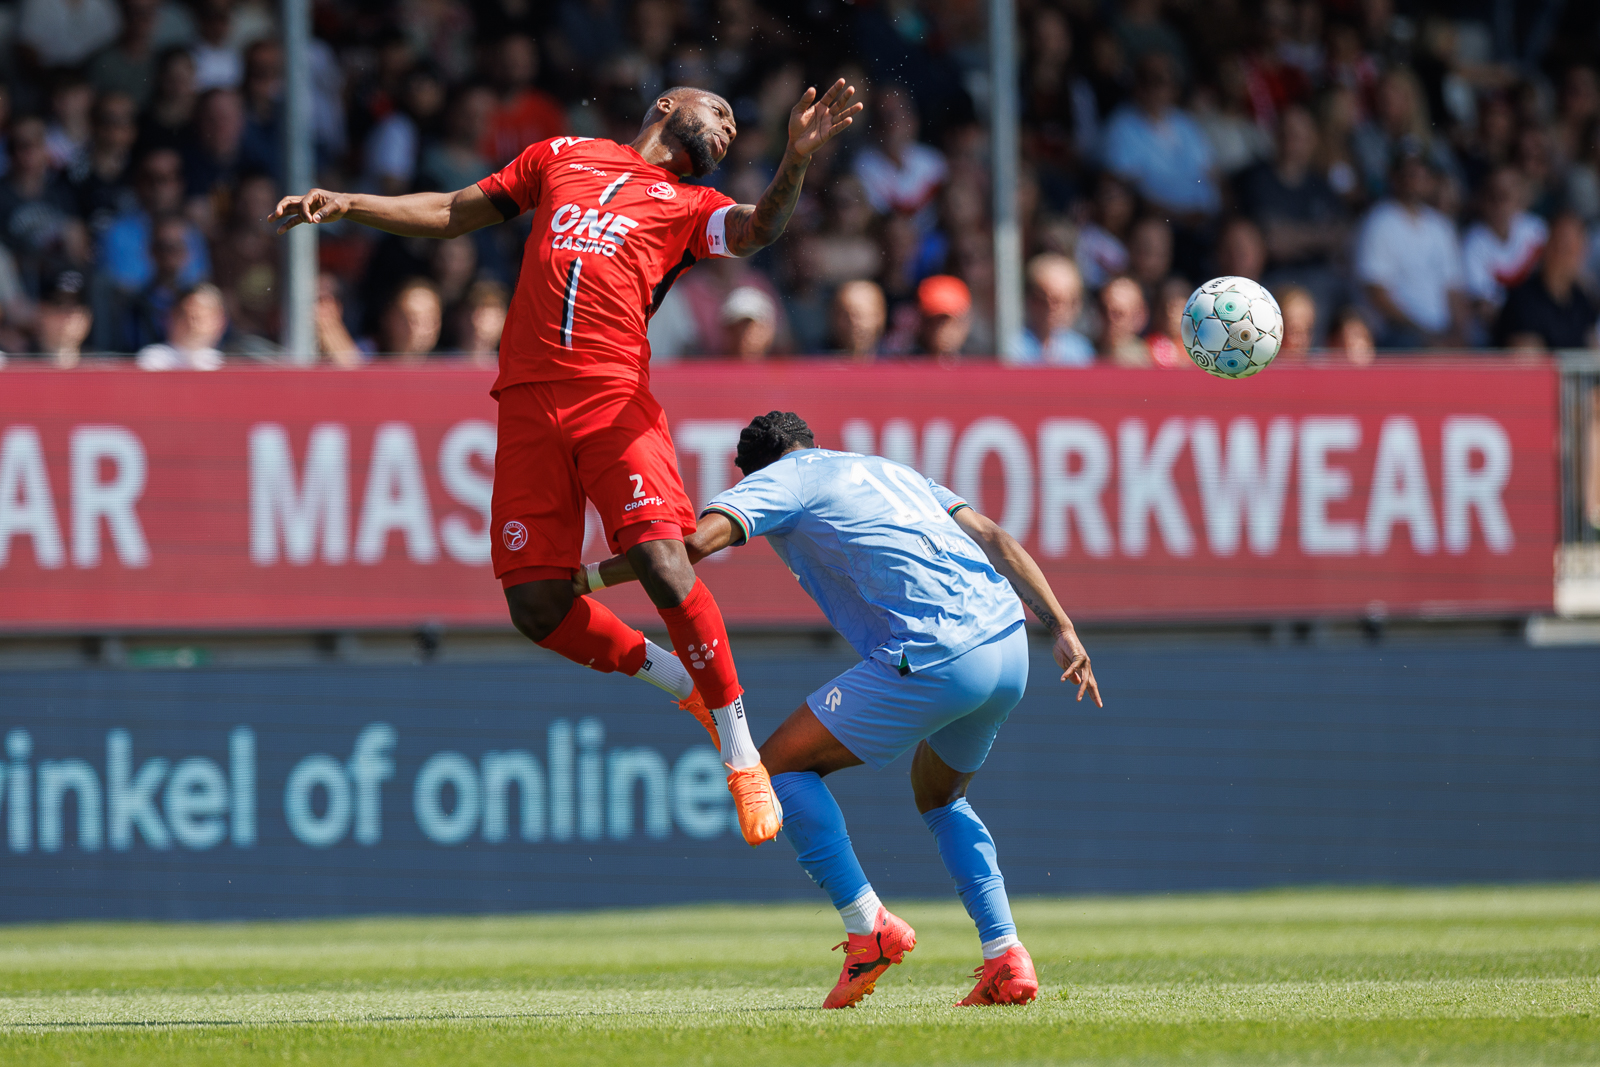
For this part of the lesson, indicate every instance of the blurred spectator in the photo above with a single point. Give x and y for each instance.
(484, 311)
(394, 144)
(1409, 263)
(1102, 251)
(1123, 308)
(146, 320)
(1399, 124)
(1160, 148)
(248, 254)
(523, 114)
(195, 325)
(261, 143)
(1237, 140)
(1053, 304)
(898, 173)
(1165, 339)
(64, 320)
(1552, 310)
(749, 324)
(1141, 32)
(212, 156)
(217, 60)
(1150, 254)
(1299, 324)
(17, 308)
(1501, 250)
(333, 338)
(100, 178)
(64, 33)
(125, 244)
(129, 66)
(411, 323)
(67, 134)
(454, 161)
(858, 318)
(844, 249)
(1240, 250)
(1351, 338)
(453, 265)
(1301, 219)
(36, 208)
(172, 108)
(945, 308)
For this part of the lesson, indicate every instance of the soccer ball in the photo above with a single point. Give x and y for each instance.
(1232, 327)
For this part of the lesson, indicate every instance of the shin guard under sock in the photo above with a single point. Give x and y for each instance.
(701, 641)
(969, 855)
(815, 827)
(592, 635)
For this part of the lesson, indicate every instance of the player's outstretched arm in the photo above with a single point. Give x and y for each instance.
(1017, 567)
(413, 215)
(812, 124)
(713, 534)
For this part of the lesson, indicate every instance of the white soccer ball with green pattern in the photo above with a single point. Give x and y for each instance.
(1232, 327)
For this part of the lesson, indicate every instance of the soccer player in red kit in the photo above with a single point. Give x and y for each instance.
(613, 228)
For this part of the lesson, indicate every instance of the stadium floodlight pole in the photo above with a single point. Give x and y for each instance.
(1003, 153)
(300, 267)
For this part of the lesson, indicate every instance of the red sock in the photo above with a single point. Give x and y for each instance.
(592, 635)
(701, 640)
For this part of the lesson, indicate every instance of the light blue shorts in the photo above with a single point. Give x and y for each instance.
(957, 707)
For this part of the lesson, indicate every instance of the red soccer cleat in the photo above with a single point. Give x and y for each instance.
(696, 706)
(1007, 979)
(867, 956)
(760, 813)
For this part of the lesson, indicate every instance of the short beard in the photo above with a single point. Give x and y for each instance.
(691, 133)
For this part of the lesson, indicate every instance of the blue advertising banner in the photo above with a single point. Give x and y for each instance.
(440, 787)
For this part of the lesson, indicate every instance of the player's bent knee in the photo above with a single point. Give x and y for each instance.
(664, 570)
(537, 608)
(934, 783)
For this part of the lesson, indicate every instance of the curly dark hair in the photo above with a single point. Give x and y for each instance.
(770, 436)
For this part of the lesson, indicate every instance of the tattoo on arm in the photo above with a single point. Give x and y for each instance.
(1046, 616)
(751, 229)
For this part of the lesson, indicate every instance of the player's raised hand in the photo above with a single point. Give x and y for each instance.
(813, 122)
(318, 205)
(1073, 659)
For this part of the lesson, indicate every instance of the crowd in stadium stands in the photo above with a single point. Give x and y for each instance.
(1412, 177)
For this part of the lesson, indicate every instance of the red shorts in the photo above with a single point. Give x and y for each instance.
(561, 442)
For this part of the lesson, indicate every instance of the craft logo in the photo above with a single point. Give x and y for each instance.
(516, 535)
(662, 191)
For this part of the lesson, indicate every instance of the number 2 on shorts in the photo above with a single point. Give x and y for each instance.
(638, 485)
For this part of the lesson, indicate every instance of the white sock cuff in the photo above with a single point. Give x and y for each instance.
(665, 671)
(861, 913)
(738, 748)
(1000, 946)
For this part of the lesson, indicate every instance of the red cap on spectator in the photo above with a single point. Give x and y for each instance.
(944, 294)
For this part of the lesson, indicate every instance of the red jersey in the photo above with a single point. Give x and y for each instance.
(611, 233)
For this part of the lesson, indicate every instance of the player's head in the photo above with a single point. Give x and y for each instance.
(769, 437)
(700, 121)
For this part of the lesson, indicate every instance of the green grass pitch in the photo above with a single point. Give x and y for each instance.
(1323, 976)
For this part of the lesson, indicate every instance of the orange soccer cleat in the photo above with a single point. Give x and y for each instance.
(867, 956)
(1007, 979)
(696, 706)
(760, 813)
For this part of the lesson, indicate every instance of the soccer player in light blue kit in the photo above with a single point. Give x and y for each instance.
(926, 590)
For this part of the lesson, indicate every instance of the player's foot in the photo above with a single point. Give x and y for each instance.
(1007, 979)
(760, 814)
(696, 706)
(867, 956)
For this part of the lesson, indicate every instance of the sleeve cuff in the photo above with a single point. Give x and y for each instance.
(740, 523)
(501, 200)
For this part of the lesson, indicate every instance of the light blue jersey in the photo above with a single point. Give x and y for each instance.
(874, 545)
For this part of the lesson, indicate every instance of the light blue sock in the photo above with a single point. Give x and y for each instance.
(815, 827)
(969, 856)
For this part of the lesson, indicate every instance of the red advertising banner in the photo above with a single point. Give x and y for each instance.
(325, 499)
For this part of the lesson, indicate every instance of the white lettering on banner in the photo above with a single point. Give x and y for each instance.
(1322, 484)
(465, 541)
(396, 499)
(1002, 438)
(27, 506)
(856, 435)
(713, 443)
(197, 797)
(1241, 492)
(646, 767)
(1399, 492)
(328, 829)
(56, 777)
(1145, 487)
(591, 780)
(500, 769)
(1065, 493)
(131, 797)
(114, 500)
(369, 767)
(427, 798)
(322, 501)
(1468, 488)
(700, 800)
